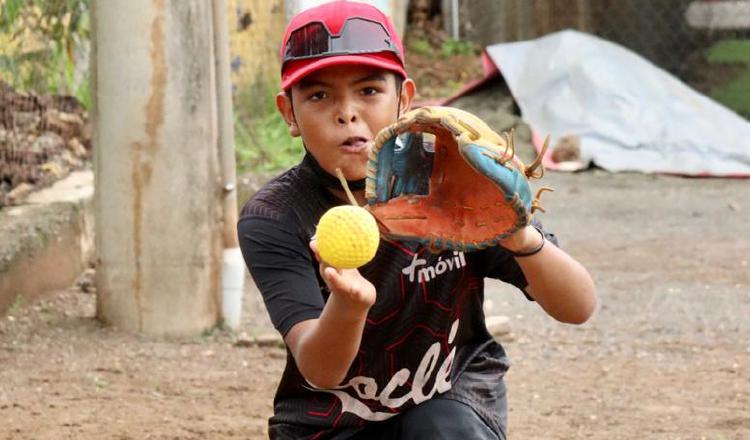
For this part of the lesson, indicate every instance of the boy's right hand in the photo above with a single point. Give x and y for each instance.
(348, 285)
(324, 348)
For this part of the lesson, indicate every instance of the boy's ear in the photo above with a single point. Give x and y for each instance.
(408, 90)
(284, 105)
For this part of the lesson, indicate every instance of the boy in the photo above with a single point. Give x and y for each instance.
(384, 351)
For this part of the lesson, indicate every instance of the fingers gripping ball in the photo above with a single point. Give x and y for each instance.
(348, 237)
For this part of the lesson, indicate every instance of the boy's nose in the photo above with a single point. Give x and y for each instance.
(346, 112)
(346, 117)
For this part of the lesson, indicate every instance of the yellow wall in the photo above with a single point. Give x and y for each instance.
(254, 44)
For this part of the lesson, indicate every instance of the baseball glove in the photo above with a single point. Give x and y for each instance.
(442, 177)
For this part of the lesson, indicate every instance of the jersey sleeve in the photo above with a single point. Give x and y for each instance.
(281, 265)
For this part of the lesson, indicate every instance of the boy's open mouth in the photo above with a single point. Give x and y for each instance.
(354, 144)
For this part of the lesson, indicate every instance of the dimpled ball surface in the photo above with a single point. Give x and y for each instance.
(348, 237)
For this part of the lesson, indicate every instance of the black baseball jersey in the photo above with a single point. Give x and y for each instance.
(425, 336)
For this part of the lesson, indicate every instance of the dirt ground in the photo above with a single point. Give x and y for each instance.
(666, 356)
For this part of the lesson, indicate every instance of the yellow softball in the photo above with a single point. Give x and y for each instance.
(348, 237)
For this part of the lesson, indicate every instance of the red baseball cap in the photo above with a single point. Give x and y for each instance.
(337, 33)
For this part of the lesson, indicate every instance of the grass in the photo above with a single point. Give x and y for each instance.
(421, 47)
(736, 93)
(16, 306)
(38, 43)
(446, 49)
(262, 140)
(452, 47)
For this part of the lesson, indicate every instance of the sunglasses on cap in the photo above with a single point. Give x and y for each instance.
(357, 36)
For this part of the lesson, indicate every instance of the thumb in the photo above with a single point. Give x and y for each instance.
(343, 281)
(335, 279)
(314, 248)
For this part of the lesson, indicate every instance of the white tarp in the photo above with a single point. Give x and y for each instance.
(628, 113)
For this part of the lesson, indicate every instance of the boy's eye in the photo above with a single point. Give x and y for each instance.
(318, 95)
(369, 91)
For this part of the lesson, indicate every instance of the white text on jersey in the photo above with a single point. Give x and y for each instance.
(428, 273)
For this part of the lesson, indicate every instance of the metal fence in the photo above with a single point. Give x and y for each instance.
(44, 84)
(44, 68)
(43, 93)
(704, 43)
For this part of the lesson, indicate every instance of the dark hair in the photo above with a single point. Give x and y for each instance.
(399, 82)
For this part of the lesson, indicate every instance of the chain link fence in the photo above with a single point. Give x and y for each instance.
(44, 93)
(44, 98)
(704, 43)
(44, 89)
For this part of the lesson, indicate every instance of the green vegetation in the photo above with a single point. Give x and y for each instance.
(38, 44)
(262, 140)
(420, 47)
(446, 49)
(452, 47)
(16, 306)
(736, 93)
(98, 382)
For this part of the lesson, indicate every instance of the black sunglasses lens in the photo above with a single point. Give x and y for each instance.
(357, 36)
(308, 41)
(361, 36)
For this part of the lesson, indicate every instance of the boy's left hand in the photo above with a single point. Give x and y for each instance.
(461, 189)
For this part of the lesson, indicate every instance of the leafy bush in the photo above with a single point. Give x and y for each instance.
(39, 40)
(262, 140)
(421, 47)
(456, 47)
(736, 93)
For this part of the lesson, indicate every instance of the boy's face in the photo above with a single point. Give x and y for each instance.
(338, 110)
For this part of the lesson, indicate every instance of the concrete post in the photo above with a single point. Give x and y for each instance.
(158, 186)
